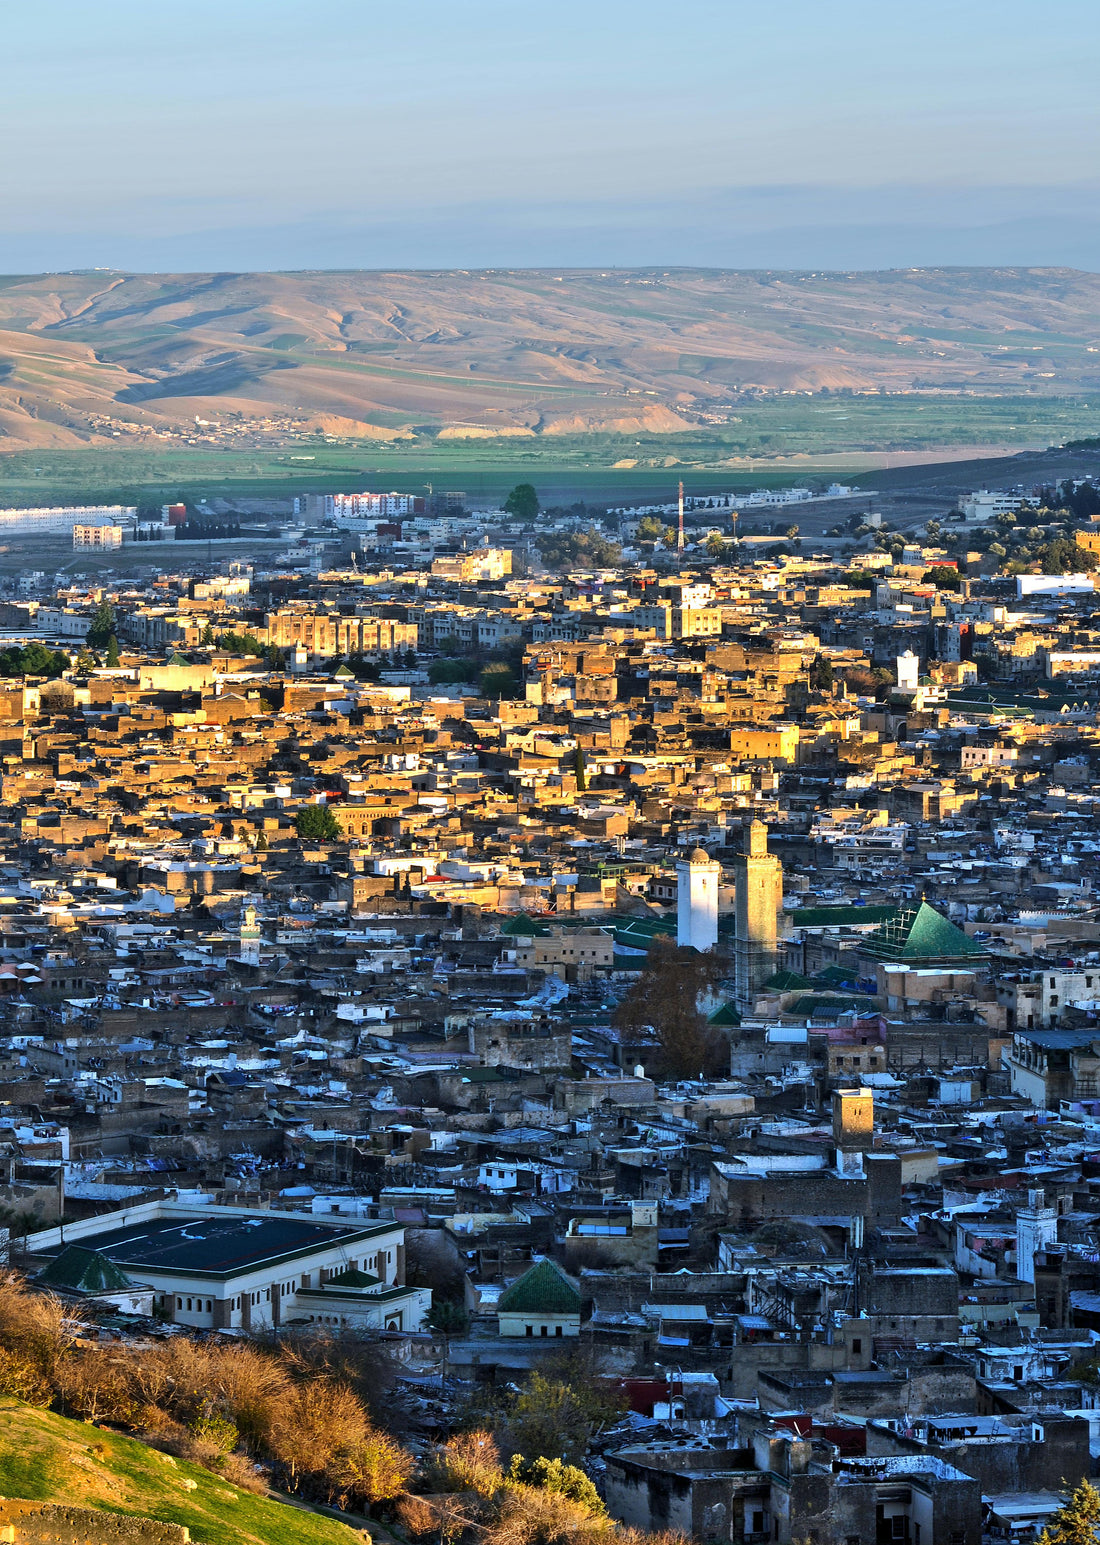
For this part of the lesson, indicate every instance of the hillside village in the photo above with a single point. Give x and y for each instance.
(685, 967)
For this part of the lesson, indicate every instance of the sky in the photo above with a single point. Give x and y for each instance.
(274, 134)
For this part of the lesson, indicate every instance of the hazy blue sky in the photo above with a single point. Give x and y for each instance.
(337, 133)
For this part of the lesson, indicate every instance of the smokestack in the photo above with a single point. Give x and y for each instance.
(680, 535)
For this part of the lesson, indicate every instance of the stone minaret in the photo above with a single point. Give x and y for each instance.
(758, 878)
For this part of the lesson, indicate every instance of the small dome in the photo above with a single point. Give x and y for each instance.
(699, 856)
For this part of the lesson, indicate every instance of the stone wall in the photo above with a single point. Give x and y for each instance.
(51, 1523)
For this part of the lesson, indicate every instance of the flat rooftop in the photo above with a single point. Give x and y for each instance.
(220, 1247)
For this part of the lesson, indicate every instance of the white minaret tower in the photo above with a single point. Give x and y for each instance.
(1036, 1227)
(908, 671)
(697, 901)
(250, 937)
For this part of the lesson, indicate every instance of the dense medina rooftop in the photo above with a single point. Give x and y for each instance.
(693, 965)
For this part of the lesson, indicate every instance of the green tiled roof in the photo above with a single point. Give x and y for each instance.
(639, 932)
(921, 934)
(353, 1278)
(83, 1271)
(544, 1289)
(726, 1015)
(834, 917)
(787, 981)
(523, 926)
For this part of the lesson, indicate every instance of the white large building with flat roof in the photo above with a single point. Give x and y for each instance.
(63, 517)
(234, 1268)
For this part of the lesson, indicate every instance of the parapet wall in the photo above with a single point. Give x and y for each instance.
(52, 1523)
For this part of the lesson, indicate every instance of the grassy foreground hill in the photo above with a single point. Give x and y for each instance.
(48, 1458)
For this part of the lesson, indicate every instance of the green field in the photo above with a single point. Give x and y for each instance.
(839, 437)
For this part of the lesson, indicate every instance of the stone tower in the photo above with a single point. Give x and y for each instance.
(759, 895)
(250, 936)
(697, 901)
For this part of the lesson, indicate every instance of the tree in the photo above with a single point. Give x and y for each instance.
(666, 997)
(240, 643)
(554, 1475)
(822, 676)
(102, 626)
(523, 503)
(650, 529)
(1065, 557)
(584, 549)
(548, 1416)
(1076, 1521)
(112, 652)
(37, 660)
(449, 672)
(943, 576)
(316, 823)
(498, 681)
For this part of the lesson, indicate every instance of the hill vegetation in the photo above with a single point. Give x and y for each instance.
(50, 1458)
(384, 358)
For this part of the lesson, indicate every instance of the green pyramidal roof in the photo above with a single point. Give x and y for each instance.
(725, 1015)
(544, 1289)
(83, 1271)
(919, 934)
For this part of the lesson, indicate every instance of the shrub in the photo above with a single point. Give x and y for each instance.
(470, 1461)
(376, 1469)
(313, 1423)
(37, 1327)
(22, 1379)
(218, 1431)
(98, 1386)
(555, 1475)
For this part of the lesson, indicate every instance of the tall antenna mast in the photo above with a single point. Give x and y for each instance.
(680, 534)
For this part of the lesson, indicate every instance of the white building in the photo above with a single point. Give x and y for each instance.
(697, 880)
(232, 1268)
(63, 517)
(97, 536)
(985, 505)
(340, 507)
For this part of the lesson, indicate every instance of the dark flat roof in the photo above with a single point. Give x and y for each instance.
(220, 1247)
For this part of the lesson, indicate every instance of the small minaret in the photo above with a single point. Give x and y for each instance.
(1036, 1227)
(758, 878)
(697, 901)
(250, 937)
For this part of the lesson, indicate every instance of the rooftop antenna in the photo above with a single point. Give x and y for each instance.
(680, 533)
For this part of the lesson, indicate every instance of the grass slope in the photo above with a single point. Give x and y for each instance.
(48, 1458)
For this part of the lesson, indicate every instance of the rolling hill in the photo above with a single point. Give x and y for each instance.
(87, 358)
